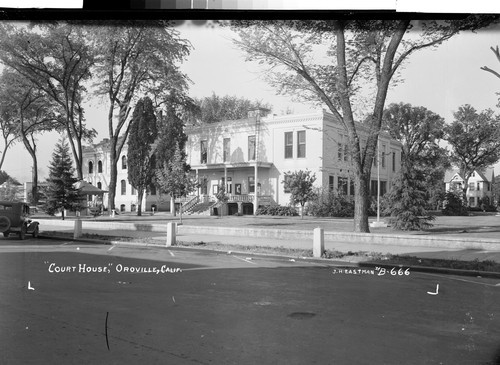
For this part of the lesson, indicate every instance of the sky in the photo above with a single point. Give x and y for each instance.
(440, 80)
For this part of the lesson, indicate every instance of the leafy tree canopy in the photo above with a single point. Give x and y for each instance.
(475, 140)
(215, 108)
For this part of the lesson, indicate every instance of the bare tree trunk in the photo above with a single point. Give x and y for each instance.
(112, 179)
(140, 194)
(361, 203)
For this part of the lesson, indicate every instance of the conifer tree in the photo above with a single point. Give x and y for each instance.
(140, 157)
(407, 200)
(61, 192)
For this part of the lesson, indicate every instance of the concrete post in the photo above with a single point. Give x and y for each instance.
(318, 242)
(171, 232)
(77, 233)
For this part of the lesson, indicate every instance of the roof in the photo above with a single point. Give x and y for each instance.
(88, 189)
(486, 175)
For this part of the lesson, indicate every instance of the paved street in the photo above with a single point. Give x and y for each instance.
(178, 306)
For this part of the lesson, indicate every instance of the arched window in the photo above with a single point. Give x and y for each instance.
(99, 166)
(99, 185)
(124, 187)
(124, 162)
(91, 167)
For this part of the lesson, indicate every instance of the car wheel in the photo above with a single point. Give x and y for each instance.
(35, 232)
(6, 234)
(4, 224)
(22, 233)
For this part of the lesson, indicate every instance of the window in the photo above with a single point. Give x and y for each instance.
(227, 149)
(124, 162)
(478, 186)
(301, 144)
(123, 187)
(251, 184)
(342, 185)
(99, 185)
(346, 152)
(472, 201)
(330, 183)
(340, 151)
(351, 187)
(251, 148)
(471, 186)
(382, 155)
(133, 208)
(394, 162)
(133, 191)
(152, 189)
(122, 208)
(288, 144)
(99, 166)
(383, 188)
(91, 167)
(373, 187)
(203, 151)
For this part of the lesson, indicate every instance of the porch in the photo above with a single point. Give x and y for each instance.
(237, 204)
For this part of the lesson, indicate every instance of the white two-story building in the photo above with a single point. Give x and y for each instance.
(251, 156)
(97, 171)
(479, 189)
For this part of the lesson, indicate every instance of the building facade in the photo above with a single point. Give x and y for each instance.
(479, 189)
(97, 171)
(250, 157)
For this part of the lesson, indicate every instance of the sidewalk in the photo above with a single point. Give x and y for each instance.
(332, 245)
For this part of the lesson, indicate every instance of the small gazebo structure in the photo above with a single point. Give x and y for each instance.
(94, 195)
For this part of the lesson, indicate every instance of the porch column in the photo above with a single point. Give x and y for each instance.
(256, 183)
(225, 179)
(198, 186)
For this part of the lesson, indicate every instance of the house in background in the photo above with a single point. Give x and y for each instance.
(479, 189)
(251, 156)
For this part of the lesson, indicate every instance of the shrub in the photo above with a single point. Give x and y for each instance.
(277, 210)
(453, 204)
(331, 204)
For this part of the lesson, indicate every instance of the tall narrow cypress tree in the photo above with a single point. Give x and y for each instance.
(140, 156)
(61, 192)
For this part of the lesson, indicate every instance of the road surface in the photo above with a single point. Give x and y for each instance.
(63, 302)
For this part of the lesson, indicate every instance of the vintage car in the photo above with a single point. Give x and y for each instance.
(14, 219)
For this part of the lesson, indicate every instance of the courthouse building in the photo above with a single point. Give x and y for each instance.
(250, 158)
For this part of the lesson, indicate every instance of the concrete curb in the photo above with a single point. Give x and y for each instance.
(330, 262)
(288, 234)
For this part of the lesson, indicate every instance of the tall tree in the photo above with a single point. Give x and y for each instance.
(475, 141)
(174, 178)
(140, 157)
(56, 59)
(8, 125)
(30, 110)
(134, 57)
(61, 192)
(346, 65)
(215, 108)
(423, 162)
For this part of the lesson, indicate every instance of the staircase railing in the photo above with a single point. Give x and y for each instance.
(187, 206)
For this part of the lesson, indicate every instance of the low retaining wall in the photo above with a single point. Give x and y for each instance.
(284, 234)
